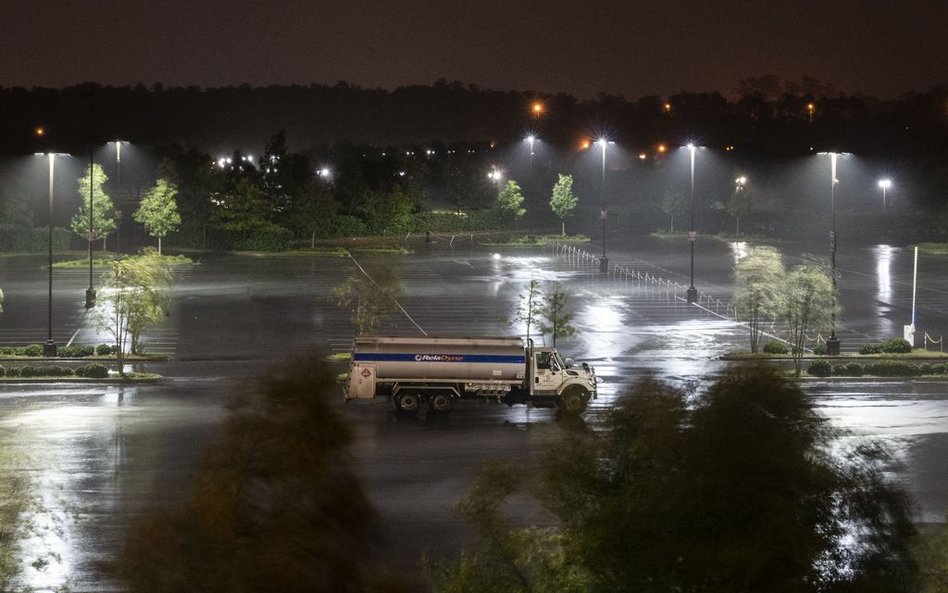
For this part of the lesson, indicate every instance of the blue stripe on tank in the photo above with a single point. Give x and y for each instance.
(437, 357)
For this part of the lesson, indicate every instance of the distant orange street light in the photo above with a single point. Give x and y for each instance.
(40, 131)
(537, 108)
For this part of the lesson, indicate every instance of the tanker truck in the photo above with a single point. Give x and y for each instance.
(437, 372)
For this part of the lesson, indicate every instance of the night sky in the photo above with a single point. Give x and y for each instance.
(628, 47)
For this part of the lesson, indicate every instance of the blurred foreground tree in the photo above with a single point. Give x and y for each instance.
(276, 506)
(759, 278)
(743, 488)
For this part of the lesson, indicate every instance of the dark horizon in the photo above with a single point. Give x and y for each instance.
(862, 48)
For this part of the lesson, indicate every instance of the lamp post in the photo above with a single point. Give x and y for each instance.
(832, 344)
(603, 261)
(118, 188)
(49, 348)
(90, 292)
(692, 235)
(531, 139)
(884, 184)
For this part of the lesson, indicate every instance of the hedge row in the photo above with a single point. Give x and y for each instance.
(36, 350)
(893, 346)
(91, 371)
(883, 368)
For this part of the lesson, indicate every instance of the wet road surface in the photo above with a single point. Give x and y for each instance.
(99, 455)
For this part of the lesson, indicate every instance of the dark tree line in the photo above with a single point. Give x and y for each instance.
(768, 116)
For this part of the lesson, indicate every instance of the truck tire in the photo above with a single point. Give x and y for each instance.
(574, 400)
(406, 402)
(440, 403)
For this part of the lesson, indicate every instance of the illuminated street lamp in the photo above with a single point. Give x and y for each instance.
(495, 175)
(884, 184)
(537, 109)
(49, 348)
(692, 234)
(531, 139)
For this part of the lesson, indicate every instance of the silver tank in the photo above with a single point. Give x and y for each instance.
(442, 359)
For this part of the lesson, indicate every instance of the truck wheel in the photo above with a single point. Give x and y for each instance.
(406, 402)
(440, 402)
(574, 399)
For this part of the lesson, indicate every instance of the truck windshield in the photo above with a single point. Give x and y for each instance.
(558, 360)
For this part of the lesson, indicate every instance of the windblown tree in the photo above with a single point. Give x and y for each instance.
(103, 211)
(510, 203)
(555, 318)
(739, 205)
(673, 203)
(136, 300)
(808, 305)
(563, 201)
(530, 303)
(369, 299)
(276, 505)
(158, 210)
(760, 276)
(741, 488)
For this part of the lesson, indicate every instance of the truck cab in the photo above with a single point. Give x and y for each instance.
(551, 380)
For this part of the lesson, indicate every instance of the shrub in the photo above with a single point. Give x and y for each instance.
(870, 349)
(820, 368)
(854, 369)
(269, 238)
(897, 346)
(820, 349)
(103, 349)
(7, 351)
(940, 369)
(775, 347)
(925, 369)
(92, 371)
(30, 350)
(891, 368)
(30, 371)
(13, 372)
(3, 371)
(76, 351)
(839, 370)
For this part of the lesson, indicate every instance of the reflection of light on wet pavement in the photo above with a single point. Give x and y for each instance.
(883, 255)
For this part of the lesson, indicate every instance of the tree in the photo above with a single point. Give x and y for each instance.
(158, 210)
(738, 205)
(554, 317)
(741, 488)
(276, 505)
(529, 308)
(136, 301)
(245, 208)
(808, 303)
(370, 299)
(932, 554)
(563, 200)
(759, 278)
(103, 220)
(510, 203)
(673, 203)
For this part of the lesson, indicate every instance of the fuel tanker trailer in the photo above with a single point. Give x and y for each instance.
(437, 372)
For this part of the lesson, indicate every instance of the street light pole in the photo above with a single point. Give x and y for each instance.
(692, 235)
(90, 292)
(50, 349)
(832, 344)
(603, 261)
